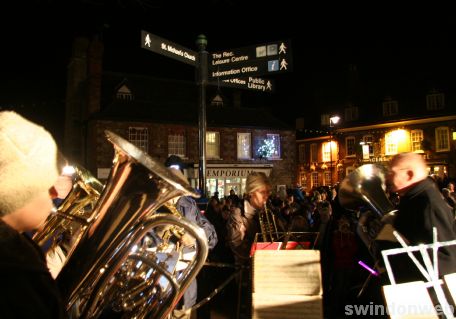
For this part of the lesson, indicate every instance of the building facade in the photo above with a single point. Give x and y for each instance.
(377, 123)
(160, 116)
(434, 137)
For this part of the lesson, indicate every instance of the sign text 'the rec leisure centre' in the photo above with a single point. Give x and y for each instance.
(264, 59)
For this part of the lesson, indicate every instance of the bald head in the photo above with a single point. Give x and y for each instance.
(407, 169)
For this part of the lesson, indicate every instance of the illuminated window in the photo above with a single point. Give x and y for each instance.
(435, 101)
(213, 145)
(244, 147)
(369, 140)
(139, 136)
(350, 146)
(124, 93)
(315, 182)
(390, 107)
(442, 139)
(302, 153)
(416, 137)
(176, 145)
(326, 147)
(314, 152)
(275, 141)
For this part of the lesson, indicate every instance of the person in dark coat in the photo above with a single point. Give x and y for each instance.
(421, 208)
(28, 169)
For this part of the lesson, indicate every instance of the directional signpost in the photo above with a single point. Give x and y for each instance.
(249, 83)
(252, 61)
(170, 49)
(238, 68)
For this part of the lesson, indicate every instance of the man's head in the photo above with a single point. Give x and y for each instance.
(258, 187)
(406, 169)
(28, 169)
(175, 161)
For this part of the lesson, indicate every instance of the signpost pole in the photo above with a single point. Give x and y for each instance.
(201, 80)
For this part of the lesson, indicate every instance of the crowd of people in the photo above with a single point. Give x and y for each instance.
(29, 169)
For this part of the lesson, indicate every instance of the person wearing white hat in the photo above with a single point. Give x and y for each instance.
(28, 169)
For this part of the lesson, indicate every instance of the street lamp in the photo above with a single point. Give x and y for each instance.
(333, 120)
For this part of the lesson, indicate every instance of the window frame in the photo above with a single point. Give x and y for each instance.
(181, 145)
(313, 152)
(249, 155)
(446, 135)
(139, 138)
(214, 146)
(347, 154)
(435, 101)
(390, 107)
(413, 142)
(273, 136)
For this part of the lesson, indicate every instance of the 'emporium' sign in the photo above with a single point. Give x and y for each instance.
(233, 172)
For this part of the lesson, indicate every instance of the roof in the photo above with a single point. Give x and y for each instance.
(172, 101)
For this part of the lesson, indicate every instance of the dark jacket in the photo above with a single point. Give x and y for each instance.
(27, 288)
(421, 209)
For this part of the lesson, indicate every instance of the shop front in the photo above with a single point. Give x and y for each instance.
(222, 178)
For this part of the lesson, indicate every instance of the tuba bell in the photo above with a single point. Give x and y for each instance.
(119, 261)
(366, 185)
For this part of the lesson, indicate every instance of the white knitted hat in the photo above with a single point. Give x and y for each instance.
(28, 161)
(255, 181)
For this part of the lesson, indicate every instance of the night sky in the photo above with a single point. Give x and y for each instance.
(36, 46)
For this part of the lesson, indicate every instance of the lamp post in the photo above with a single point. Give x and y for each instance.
(333, 120)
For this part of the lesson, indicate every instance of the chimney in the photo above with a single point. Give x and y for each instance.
(95, 71)
(75, 97)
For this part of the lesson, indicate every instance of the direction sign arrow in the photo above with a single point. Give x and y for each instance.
(274, 57)
(249, 83)
(168, 48)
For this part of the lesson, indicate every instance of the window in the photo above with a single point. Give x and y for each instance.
(139, 136)
(435, 101)
(124, 93)
(274, 139)
(351, 113)
(391, 143)
(350, 146)
(217, 101)
(244, 147)
(176, 145)
(315, 182)
(369, 140)
(328, 178)
(390, 107)
(302, 153)
(213, 145)
(416, 137)
(442, 139)
(325, 119)
(326, 152)
(314, 152)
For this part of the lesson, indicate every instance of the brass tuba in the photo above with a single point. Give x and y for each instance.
(75, 210)
(112, 267)
(366, 185)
